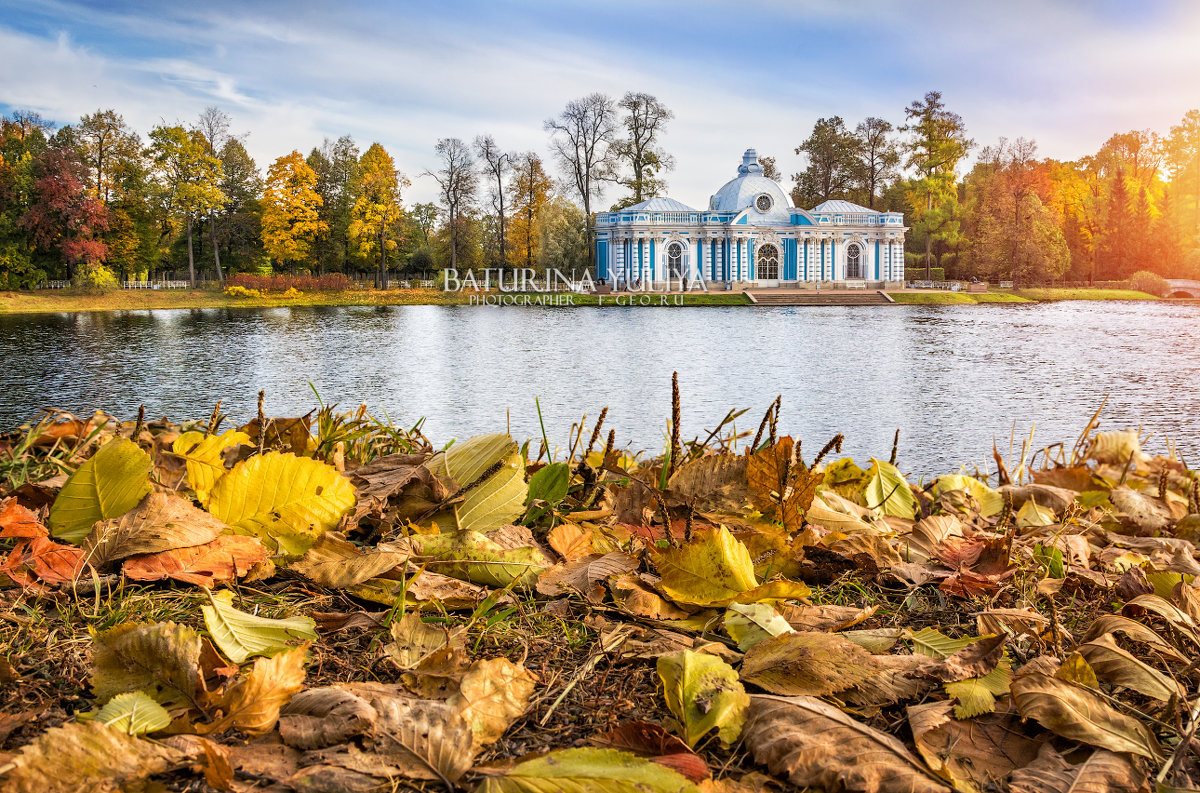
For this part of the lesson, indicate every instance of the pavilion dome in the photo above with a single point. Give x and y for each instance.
(838, 206)
(742, 192)
(661, 204)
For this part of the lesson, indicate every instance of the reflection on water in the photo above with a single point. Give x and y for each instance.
(951, 378)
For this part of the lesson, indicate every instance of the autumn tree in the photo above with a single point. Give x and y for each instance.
(832, 153)
(291, 210)
(581, 137)
(530, 192)
(494, 165)
(878, 156)
(640, 149)
(64, 215)
(938, 143)
(770, 168)
(336, 165)
(107, 146)
(457, 181)
(189, 177)
(1183, 156)
(213, 126)
(376, 207)
(562, 229)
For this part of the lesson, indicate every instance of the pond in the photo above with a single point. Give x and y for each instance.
(952, 379)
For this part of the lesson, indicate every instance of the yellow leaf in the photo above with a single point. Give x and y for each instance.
(205, 459)
(492, 695)
(703, 692)
(108, 484)
(252, 703)
(710, 570)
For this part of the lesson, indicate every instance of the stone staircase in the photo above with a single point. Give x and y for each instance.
(774, 297)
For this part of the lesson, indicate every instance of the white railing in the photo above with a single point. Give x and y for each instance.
(953, 286)
(1005, 284)
(54, 285)
(163, 284)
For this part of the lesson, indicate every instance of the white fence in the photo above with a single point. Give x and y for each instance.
(164, 284)
(953, 286)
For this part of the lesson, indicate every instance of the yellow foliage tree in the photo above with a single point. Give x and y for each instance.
(529, 194)
(376, 210)
(290, 219)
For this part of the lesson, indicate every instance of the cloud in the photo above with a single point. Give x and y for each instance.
(1068, 74)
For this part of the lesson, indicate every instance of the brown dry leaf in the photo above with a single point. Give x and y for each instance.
(1055, 499)
(824, 618)
(807, 663)
(1116, 666)
(583, 575)
(162, 522)
(891, 682)
(1102, 772)
(162, 659)
(87, 757)
(49, 561)
(1115, 623)
(780, 484)
(650, 740)
(712, 482)
(219, 561)
(320, 717)
(425, 590)
(387, 476)
(491, 696)
(252, 703)
(975, 660)
(813, 744)
(571, 541)
(1145, 515)
(973, 755)
(335, 562)
(1080, 715)
(17, 521)
(637, 597)
(413, 640)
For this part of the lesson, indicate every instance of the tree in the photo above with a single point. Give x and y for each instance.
(291, 209)
(770, 169)
(644, 121)
(336, 165)
(241, 221)
(937, 145)
(1117, 239)
(495, 165)
(456, 187)
(376, 207)
(878, 156)
(563, 231)
(106, 143)
(213, 124)
(1183, 155)
(190, 178)
(833, 160)
(581, 138)
(530, 193)
(424, 220)
(64, 216)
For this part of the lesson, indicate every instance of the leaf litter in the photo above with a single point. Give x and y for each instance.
(336, 604)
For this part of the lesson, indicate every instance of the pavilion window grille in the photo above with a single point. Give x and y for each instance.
(767, 265)
(854, 268)
(675, 260)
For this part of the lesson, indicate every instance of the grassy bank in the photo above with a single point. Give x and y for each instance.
(955, 298)
(1051, 294)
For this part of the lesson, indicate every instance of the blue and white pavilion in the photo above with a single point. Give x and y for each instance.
(750, 235)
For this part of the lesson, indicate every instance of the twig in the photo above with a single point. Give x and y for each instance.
(673, 463)
(895, 447)
(262, 422)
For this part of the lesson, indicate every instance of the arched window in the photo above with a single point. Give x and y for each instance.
(854, 268)
(675, 260)
(768, 263)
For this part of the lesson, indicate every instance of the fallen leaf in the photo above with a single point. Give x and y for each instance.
(571, 541)
(17, 521)
(107, 485)
(161, 659)
(704, 693)
(161, 522)
(807, 663)
(582, 575)
(651, 741)
(587, 769)
(1079, 715)
(1101, 772)
(241, 636)
(204, 458)
(710, 570)
(750, 624)
(712, 482)
(335, 562)
(414, 640)
(813, 744)
(975, 755)
(474, 557)
(134, 713)
(319, 717)
(50, 561)
(491, 696)
(1117, 667)
(496, 501)
(224, 559)
(252, 703)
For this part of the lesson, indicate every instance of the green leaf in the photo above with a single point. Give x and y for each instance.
(1050, 558)
(496, 501)
(550, 483)
(134, 714)
(161, 659)
(935, 644)
(241, 636)
(588, 770)
(887, 489)
(976, 695)
(204, 458)
(471, 556)
(750, 624)
(108, 484)
(284, 500)
(704, 693)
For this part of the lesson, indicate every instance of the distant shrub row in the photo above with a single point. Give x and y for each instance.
(330, 282)
(918, 273)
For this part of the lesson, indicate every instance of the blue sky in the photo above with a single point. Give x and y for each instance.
(1067, 74)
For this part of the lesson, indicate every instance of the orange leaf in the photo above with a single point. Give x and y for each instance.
(223, 559)
(17, 521)
(46, 559)
(780, 484)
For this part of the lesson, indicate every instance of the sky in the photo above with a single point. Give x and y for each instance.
(754, 73)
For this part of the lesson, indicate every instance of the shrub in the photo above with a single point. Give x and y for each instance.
(95, 278)
(918, 273)
(292, 292)
(236, 290)
(331, 282)
(1150, 283)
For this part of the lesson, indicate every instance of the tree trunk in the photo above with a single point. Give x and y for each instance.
(212, 224)
(191, 258)
(381, 279)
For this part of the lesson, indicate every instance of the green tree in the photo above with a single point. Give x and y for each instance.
(937, 144)
(644, 122)
(189, 177)
(336, 166)
(833, 153)
(1183, 156)
(878, 156)
(240, 230)
(563, 231)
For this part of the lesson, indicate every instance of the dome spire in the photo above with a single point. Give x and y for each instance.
(750, 163)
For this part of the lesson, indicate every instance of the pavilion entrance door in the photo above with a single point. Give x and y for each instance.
(855, 270)
(766, 265)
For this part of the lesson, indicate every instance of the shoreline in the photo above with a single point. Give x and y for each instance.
(16, 303)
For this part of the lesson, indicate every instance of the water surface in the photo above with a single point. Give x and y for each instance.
(951, 378)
